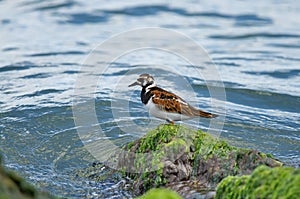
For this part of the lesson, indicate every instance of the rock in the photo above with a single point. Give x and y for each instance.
(264, 182)
(175, 156)
(12, 186)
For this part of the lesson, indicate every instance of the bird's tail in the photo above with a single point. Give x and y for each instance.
(200, 113)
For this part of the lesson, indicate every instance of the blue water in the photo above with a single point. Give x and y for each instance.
(255, 47)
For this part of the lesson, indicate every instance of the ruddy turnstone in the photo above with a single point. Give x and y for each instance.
(166, 105)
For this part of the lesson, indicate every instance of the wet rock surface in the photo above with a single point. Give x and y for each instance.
(12, 186)
(187, 161)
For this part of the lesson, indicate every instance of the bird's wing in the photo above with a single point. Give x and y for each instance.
(170, 102)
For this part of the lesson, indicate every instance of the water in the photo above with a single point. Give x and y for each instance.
(255, 47)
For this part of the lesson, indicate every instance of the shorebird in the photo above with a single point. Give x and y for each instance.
(165, 105)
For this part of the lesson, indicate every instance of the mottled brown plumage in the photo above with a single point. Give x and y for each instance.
(164, 104)
(170, 102)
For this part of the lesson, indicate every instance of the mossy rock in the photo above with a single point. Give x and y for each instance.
(160, 194)
(12, 186)
(264, 182)
(175, 153)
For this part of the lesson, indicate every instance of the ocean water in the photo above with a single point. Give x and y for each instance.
(45, 47)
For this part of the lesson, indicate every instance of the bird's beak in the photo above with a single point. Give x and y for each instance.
(134, 84)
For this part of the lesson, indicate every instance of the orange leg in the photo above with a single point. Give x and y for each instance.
(170, 121)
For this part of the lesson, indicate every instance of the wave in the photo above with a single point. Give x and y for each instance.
(263, 99)
(104, 15)
(17, 66)
(281, 74)
(256, 35)
(56, 53)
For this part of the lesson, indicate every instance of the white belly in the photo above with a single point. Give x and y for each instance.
(156, 112)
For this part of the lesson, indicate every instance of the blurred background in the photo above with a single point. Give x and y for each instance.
(255, 46)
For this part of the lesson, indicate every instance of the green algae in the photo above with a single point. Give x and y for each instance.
(195, 155)
(160, 193)
(162, 143)
(264, 182)
(207, 146)
(156, 138)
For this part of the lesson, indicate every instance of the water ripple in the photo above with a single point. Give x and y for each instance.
(44, 6)
(42, 92)
(10, 49)
(17, 66)
(280, 45)
(56, 53)
(263, 99)
(256, 35)
(155, 9)
(38, 75)
(100, 15)
(281, 74)
(252, 20)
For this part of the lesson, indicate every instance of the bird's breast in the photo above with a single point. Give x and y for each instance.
(145, 96)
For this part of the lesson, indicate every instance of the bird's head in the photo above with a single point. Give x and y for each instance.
(144, 80)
